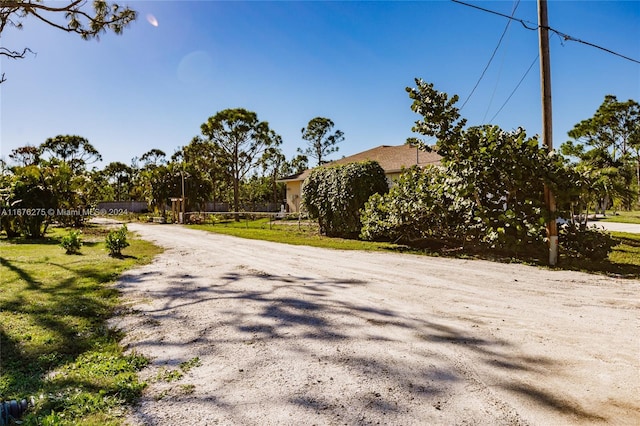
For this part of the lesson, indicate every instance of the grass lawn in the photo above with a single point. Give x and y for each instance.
(289, 232)
(622, 217)
(623, 261)
(54, 342)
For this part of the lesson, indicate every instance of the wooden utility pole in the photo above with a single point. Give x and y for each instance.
(547, 128)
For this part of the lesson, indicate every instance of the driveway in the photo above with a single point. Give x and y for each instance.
(617, 227)
(291, 335)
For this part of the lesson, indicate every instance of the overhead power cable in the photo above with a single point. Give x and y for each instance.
(506, 27)
(534, 27)
(516, 88)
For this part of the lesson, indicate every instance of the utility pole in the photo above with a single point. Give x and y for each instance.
(547, 128)
(183, 219)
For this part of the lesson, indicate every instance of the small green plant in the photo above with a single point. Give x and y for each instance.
(72, 242)
(188, 389)
(116, 241)
(167, 375)
(188, 365)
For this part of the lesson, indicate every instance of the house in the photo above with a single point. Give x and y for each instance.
(392, 159)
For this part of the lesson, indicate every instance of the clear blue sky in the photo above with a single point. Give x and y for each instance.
(153, 87)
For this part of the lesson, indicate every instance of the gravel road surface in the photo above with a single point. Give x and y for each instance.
(290, 335)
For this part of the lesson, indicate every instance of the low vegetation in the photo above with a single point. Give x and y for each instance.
(623, 259)
(300, 233)
(116, 241)
(55, 346)
(622, 217)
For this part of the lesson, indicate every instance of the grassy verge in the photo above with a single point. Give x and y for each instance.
(290, 233)
(623, 261)
(622, 217)
(54, 342)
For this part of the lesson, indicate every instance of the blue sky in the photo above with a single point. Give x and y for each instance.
(153, 87)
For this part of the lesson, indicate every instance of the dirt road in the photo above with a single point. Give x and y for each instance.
(289, 335)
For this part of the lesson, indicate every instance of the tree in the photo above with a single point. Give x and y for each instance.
(242, 139)
(154, 157)
(613, 136)
(490, 193)
(321, 142)
(119, 175)
(87, 22)
(297, 164)
(272, 161)
(25, 155)
(29, 189)
(73, 150)
(206, 160)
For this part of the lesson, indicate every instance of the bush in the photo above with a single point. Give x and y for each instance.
(335, 195)
(72, 242)
(577, 240)
(421, 205)
(117, 240)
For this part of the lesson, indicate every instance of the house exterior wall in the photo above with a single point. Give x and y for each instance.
(294, 196)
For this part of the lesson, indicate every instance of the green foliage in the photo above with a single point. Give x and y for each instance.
(583, 242)
(72, 242)
(116, 241)
(607, 147)
(188, 365)
(422, 204)
(335, 195)
(490, 193)
(56, 343)
(240, 139)
(26, 197)
(321, 142)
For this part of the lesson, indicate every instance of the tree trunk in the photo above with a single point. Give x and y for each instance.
(236, 196)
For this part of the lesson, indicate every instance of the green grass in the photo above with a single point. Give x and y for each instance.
(622, 217)
(623, 261)
(54, 342)
(290, 233)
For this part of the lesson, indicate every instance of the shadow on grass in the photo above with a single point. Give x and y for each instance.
(47, 325)
(439, 248)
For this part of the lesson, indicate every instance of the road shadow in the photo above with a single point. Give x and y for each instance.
(261, 308)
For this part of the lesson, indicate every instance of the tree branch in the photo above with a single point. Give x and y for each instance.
(15, 54)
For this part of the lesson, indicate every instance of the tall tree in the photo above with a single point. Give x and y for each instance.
(297, 164)
(28, 155)
(88, 22)
(207, 159)
(613, 136)
(320, 141)
(119, 176)
(154, 157)
(242, 139)
(73, 150)
(272, 161)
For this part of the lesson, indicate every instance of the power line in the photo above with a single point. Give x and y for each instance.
(535, 27)
(516, 88)
(492, 56)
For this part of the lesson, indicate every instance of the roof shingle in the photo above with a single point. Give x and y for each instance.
(391, 158)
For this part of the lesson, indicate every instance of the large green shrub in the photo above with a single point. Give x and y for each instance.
(578, 240)
(335, 195)
(422, 204)
(489, 193)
